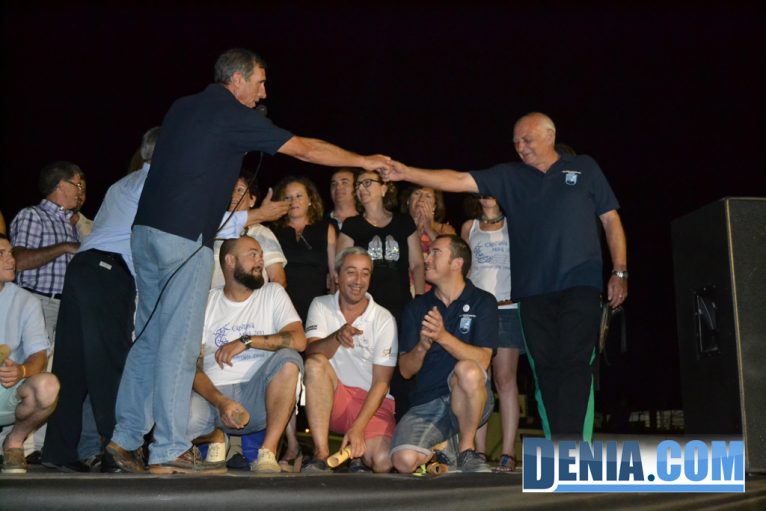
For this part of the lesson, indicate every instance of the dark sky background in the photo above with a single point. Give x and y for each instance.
(668, 100)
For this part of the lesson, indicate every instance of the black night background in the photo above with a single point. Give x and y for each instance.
(667, 98)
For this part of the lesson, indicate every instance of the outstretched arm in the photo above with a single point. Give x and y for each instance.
(445, 180)
(318, 151)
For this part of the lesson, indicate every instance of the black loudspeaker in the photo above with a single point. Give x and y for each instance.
(719, 258)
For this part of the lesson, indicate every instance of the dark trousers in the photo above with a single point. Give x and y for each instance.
(560, 333)
(93, 337)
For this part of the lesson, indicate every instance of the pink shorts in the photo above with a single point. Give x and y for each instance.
(348, 403)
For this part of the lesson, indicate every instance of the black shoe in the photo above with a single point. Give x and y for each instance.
(73, 466)
(94, 462)
(108, 465)
(357, 466)
(316, 465)
(238, 462)
(35, 458)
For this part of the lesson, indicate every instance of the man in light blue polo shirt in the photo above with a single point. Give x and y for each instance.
(27, 393)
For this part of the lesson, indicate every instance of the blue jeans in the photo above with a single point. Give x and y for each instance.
(157, 381)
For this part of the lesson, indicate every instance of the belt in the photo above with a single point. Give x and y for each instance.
(55, 296)
(504, 302)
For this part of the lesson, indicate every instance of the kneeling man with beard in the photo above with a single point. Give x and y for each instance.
(249, 366)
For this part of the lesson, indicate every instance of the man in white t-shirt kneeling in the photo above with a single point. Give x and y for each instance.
(249, 367)
(350, 358)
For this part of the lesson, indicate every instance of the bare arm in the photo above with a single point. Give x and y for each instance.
(415, 257)
(291, 336)
(331, 242)
(28, 258)
(344, 241)
(344, 336)
(313, 150)
(445, 180)
(11, 372)
(465, 230)
(411, 362)
(229, 409)
(617, 288)
(276, 273)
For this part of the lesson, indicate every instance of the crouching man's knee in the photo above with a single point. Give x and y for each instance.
(469, 375)
(41, 390)
(405, 461)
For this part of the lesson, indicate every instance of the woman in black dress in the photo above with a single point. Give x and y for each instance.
(308, 242)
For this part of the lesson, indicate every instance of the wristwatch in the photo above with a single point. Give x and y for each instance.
(246, 340)
(620, 274)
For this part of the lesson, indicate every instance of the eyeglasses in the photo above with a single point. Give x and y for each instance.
(78, 185)
(367, 182)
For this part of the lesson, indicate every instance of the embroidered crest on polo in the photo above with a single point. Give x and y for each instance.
(466, 308)
(570, 176)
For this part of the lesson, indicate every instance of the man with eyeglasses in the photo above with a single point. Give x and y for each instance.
(45, 240)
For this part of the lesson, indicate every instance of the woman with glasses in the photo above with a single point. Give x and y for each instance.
(390, 238)
(308, 241)
(487, 235)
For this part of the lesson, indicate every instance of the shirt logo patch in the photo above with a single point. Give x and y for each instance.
(570, 177)
(465, 323)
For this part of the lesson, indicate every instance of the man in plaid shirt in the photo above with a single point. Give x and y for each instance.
(45, 240)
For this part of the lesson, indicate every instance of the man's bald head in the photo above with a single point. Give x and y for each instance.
(539, 119)
(534, 137)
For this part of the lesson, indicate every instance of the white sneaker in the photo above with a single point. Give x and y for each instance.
(216, 449)
(266, 463)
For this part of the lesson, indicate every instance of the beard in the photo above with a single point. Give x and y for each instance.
(250, 281)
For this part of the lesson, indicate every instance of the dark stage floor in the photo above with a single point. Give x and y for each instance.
(43, 489)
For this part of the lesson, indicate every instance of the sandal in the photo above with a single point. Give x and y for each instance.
(507, 464)
(291, 464)
(316, 465)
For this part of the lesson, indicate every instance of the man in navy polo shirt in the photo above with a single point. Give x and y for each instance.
(557, 270)
(194, 167)
(447, 339)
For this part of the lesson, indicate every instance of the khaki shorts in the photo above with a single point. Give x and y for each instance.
(9, 400)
